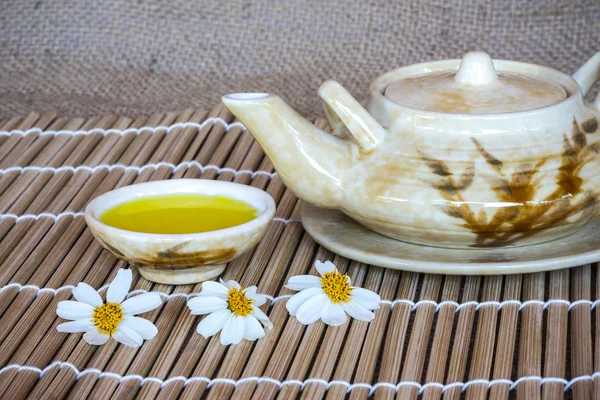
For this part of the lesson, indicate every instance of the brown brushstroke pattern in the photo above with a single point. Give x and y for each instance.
(173, 259)
(513, 223)
(590, 126)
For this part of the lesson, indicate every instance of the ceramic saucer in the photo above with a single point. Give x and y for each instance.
(335, 231)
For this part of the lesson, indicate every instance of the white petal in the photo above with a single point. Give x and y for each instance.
(312, 309)
(81, 325)
(259, 299)
(86, 294)
(128, 336)
(323, 268)
(74, 310)
(119, 287)
(141, 304)
(253, 329)
(94, 337)
(233, 331)
(357, 311)
(334, 315)
(302, 282)
(366, 298)
(262, 317)
(298, 299)
(206, 304)
(210, 288)
(213, 323)
(145, 328)
(230, 284)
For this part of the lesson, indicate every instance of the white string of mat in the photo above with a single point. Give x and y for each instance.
(139, 169)
(328, 384)
(58, 216)
(36, 217)
(414, 305)
(122, 132)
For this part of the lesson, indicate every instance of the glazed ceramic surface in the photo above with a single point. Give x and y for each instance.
(181, 258)
(462, 176)
(337, 232)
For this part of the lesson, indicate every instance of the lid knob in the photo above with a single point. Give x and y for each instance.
(476, 69)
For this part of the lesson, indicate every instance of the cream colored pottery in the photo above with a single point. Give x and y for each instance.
(509, 158)
(337, 232)
(181, 258)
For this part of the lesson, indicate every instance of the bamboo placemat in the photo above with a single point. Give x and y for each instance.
(524, 336)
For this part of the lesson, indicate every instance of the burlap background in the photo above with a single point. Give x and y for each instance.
(88, 57)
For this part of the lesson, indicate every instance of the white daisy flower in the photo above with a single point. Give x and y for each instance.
(115, 317)
(232, 310)
(329, 297)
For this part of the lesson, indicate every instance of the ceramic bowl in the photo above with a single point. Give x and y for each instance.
(181, 258)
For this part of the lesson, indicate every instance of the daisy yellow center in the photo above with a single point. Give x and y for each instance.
(239, 304)
(107, 317)
(337, 287)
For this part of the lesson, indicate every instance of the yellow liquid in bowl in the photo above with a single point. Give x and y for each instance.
(179, 213)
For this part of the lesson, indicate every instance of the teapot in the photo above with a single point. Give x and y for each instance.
(470, 153)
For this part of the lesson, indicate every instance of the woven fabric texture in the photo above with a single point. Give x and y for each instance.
(84, 57)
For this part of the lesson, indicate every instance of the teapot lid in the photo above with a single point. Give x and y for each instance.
(475, 88)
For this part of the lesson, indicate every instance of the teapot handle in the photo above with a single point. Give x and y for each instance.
(587, 75)
(343, 110)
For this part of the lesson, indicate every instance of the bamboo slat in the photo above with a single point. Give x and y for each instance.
(433, 337)
(581, 340)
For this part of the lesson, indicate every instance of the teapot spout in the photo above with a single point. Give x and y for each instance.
(309, 161)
